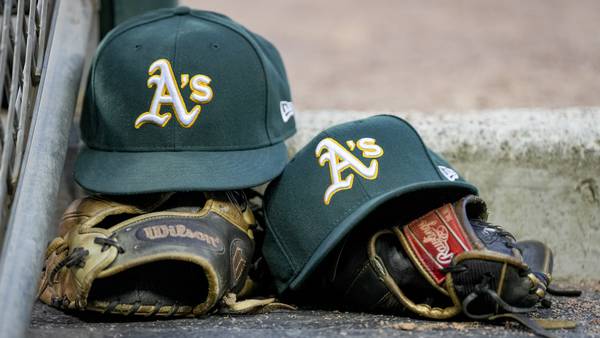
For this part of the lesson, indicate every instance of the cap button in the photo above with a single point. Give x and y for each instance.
(181, 10)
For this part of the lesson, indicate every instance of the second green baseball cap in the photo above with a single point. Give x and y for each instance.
(338, 179)
(182, 100)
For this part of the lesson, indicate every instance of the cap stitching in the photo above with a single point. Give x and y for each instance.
(173, 147)
(421, 142)
(109, 39)
(260, 59)
(282, 246)
(362, 187)
(349, 210)
(179, 148)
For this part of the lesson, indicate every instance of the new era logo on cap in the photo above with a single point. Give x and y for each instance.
(449, 173)
(182, 100)
(336, 180)
(287, 110)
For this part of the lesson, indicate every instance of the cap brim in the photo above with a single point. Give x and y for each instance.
(123, 173)
(329, 243)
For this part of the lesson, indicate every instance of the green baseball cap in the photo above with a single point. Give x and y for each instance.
(339, 178)
(182, 100)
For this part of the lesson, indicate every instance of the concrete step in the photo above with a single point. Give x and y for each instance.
(538, 169)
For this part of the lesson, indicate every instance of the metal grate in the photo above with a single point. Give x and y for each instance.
(44, 46)
(25, 26)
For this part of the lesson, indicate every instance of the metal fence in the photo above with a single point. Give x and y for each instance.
(22, 47)
(44, 46)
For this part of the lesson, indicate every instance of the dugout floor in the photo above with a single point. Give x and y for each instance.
(49, 322)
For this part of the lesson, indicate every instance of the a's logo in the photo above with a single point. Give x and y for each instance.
(167, 93)
(449, 173)
(340, 159)
(287, 110)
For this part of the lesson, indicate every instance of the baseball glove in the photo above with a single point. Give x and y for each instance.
(448, 262)
(176, 254)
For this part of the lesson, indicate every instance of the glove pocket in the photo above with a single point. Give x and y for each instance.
(172, 264)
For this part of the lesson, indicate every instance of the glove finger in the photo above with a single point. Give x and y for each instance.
(539, 258)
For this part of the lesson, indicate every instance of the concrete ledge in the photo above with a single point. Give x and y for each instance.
(539, 170)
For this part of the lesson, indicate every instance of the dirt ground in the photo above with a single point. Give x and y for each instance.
(48, 322)
(430, 55)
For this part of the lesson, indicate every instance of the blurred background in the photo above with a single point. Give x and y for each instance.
(428, 55)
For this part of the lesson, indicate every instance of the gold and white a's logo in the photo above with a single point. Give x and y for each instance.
(167, 93)
(340, 159)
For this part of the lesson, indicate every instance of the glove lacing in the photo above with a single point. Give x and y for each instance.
(483, 288)
(109, 241)
(77, 257)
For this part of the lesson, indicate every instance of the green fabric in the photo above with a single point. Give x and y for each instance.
(178, 170)
(302, 229)
(248, 82)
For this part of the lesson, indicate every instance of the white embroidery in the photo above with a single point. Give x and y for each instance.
(450, 174)
(287, 110)
(438, 237)
(369, 148)
(340, 159)
(167, 93)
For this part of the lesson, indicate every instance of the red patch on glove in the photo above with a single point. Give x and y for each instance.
(436, 238)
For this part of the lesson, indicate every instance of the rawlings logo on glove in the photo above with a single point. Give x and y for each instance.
(436, 238)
